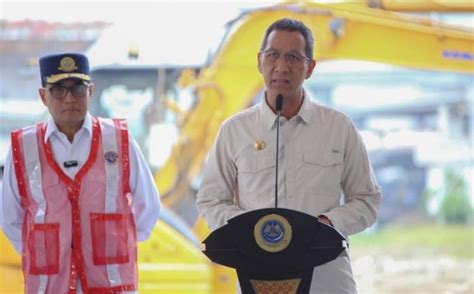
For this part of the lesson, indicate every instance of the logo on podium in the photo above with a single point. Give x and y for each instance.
(272, 233)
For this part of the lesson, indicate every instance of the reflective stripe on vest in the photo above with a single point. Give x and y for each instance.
(112, 175)
(29, 144)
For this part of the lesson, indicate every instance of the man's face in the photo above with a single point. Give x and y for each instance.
(67, 101)
(285, 75)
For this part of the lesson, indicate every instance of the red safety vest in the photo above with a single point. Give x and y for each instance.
(80, 228)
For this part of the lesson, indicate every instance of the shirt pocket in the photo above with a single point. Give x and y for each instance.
(51, 180)
(256, 177)
(322, 172)
(110, 238)
(43, 247)
(97, 175)
(54, 191)
(95, 185)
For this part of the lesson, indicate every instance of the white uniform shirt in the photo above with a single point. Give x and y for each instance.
(321, 158)
(146, 201)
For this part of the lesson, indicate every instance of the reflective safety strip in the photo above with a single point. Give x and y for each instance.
(33, 170)
(112, 176)
(122, 125)
(17, 154)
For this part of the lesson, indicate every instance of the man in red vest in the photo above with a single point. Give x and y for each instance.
(77, 192)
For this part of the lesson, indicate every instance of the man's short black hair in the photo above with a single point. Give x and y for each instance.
(292, 25)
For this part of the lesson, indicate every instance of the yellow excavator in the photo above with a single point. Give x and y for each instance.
(352, 30)
(171, 261)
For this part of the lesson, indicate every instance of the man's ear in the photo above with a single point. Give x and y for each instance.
(259, 64)
(91, 89)
(42, 94)
(311, 66)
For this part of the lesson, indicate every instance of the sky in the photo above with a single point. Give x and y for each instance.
(116, 11)
(144, 23)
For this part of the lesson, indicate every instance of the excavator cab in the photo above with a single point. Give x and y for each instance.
(144, 95)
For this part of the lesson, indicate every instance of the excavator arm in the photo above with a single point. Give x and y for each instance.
(422, 5)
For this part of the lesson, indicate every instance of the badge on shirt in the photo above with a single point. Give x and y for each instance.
(111, 156)
(259, 145)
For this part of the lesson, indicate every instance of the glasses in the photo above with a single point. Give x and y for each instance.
(78, 91)
(292, 59)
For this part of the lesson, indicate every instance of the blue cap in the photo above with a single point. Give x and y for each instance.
(57, 67)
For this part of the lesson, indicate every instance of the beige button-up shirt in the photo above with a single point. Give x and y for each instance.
(323, 169)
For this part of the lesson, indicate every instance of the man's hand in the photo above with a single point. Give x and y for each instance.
(325, 220)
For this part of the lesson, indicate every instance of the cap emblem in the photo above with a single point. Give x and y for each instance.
(67, 64)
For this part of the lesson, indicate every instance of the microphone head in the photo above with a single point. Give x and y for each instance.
(279, 102)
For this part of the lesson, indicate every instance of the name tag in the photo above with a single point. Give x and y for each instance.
(70, 163)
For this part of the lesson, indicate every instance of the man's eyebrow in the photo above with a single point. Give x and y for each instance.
(291, 51)
(294, 51)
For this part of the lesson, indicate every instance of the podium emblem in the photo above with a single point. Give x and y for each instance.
(272, 233)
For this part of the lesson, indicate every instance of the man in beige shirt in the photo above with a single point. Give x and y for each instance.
(324, 169)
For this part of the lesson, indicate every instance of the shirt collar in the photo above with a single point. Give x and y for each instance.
(305, 112)
(52, 128)
(269, 117)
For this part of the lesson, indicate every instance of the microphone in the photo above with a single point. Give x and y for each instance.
(278, 108)
(279, 103)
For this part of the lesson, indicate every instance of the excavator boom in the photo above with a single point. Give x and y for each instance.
(342, 31)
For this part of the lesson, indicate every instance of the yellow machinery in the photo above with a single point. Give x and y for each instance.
(342, 31)
(171, 262)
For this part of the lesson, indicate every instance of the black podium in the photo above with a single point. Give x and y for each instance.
(274, 250)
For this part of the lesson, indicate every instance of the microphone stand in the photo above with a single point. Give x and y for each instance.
(278, 108)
